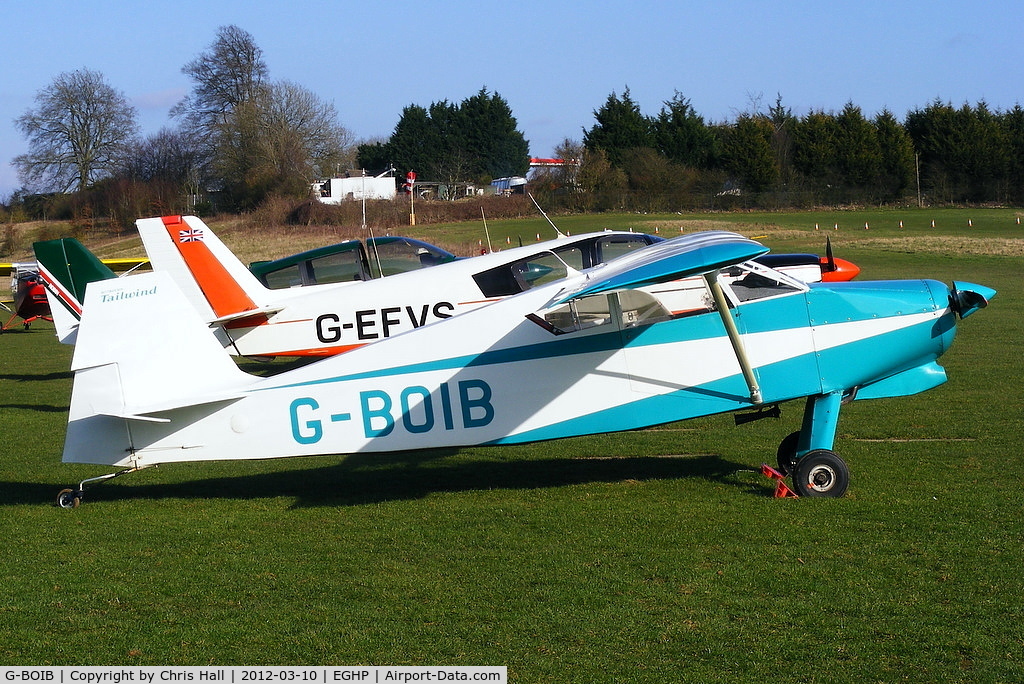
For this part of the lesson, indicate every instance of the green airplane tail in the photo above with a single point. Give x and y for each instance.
(67, 267)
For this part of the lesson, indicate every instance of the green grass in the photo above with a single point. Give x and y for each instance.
(649, 556)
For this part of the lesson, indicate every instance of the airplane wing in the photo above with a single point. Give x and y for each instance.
(680, 257)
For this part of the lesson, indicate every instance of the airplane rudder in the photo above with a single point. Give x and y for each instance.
(223, 281)
(145, 325)
(84, 266)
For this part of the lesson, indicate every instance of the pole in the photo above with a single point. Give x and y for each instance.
(410, 177)
(917, 164)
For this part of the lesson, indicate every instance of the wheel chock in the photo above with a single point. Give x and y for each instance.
(782, 490)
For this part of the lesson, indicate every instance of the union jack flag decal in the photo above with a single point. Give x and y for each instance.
(190, 235)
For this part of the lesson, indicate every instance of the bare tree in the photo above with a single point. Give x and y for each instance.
(78, 133)
(259, 137)
(280, 142)
(230, 73)
(302, 134)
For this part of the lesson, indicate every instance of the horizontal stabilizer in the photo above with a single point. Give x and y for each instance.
(662, 262)
(265, 312)
(145, 413)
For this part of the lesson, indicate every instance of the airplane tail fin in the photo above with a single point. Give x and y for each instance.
(67, 267)
(210, 276)
(142, 351)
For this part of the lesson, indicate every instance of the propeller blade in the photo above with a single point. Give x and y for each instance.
(966, 298)
(828, 254)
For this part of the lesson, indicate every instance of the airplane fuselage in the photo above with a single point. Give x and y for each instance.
(494, 376)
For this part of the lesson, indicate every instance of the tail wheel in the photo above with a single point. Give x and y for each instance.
(821, 473)
(69, 498)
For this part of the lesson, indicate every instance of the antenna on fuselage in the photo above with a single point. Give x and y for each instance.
(487, 233)
(372, 241)
(560, 233)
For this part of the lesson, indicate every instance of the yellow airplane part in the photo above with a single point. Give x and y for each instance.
(114, 264)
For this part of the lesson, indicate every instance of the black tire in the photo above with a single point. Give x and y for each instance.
(786, 457)
(821, 473)
(69, 498)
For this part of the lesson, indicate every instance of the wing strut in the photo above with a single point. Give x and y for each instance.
(734, 336)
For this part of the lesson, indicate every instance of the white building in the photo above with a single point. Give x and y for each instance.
(338, 190)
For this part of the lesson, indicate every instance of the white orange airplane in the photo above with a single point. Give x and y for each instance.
(349, 310)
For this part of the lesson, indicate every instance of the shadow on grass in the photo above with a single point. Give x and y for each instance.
(375, 478)
(44, 408)
(33, 377)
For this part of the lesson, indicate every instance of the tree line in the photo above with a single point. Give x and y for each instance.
(676, 160)
(241, 138)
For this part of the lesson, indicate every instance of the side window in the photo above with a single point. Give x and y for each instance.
(510, 279)
(612, 247)
(545, 268)
(579, 314)
(572, 256)
(283, 278)
(625, 309)
(686, 297)
(750, 281)
(498, 282)
(399, 256)
(341, 267)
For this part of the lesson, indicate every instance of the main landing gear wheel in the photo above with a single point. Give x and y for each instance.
(787, 453)
(821, 473)
(69, 498)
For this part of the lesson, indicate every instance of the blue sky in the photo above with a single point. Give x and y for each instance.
(554, 62)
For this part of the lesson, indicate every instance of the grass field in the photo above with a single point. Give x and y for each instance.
(650, 556)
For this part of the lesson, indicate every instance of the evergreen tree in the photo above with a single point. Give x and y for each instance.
(783, 125)
(934, 131)
(747, 153)
(814, 149)
(857, 154)
(681, 135)
(620, 126)
(896, 156)
(474, 140)
(1012, 124)
(499, 149)
(985, 159)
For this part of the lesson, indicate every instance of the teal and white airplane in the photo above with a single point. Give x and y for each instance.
(594, 352)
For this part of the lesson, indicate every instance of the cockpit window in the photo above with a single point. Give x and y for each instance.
(339, 267)
(624, 309)
(614, 246)
(750, 281)
(510, 279)
(519, 276)
(401, 255)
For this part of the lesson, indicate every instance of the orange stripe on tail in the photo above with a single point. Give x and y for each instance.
(225, 295)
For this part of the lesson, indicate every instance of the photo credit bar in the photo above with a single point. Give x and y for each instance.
(405, 674)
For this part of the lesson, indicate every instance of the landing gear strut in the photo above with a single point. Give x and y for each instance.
(72, 498)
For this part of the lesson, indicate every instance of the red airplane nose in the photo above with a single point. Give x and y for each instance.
(836, 270)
